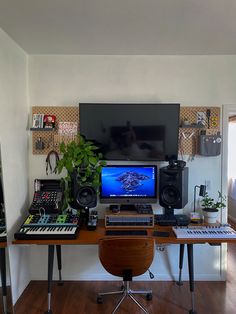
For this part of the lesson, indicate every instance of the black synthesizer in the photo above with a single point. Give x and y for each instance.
(49, 227)
(46, 202)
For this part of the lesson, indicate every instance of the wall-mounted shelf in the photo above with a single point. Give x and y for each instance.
(43, 129)
(192, 126)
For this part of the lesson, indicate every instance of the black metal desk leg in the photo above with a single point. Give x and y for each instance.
(3, 278)
(191, 276)
(50, 274)
(58, 249)
(181, 257)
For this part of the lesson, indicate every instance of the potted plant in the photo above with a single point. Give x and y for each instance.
(211, 207)
(82, 163)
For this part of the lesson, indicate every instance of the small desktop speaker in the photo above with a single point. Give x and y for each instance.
(173, 187)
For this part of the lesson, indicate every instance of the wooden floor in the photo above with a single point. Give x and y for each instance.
(80, 297)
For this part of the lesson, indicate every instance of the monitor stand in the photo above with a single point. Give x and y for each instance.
(170, 219)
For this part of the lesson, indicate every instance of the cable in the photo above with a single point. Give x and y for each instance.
(208, 114)
(49, 161)
(150, 274)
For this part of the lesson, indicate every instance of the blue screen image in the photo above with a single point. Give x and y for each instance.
(128, 182)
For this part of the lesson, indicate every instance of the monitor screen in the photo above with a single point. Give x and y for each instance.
(128, 184)
(139, 132)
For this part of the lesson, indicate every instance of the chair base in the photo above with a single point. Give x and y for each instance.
(127, 292)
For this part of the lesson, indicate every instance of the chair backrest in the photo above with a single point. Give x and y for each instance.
(126, 253)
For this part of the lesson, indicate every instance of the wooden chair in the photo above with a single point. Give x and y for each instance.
(126, 257)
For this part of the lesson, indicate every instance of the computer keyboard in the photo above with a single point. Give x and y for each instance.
(121, 232)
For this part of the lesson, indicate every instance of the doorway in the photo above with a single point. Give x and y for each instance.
(229, 159)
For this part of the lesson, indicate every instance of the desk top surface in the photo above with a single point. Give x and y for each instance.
(3, 244)
(92, 237)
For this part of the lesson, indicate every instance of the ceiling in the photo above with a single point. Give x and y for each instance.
(121, 27)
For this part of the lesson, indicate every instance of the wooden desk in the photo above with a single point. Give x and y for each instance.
(86, 237)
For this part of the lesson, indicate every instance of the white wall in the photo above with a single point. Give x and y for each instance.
(190, 80)
(199, 80)
(14, 149)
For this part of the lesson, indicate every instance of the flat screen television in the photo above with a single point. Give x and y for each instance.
(128, 184)
(139, 132)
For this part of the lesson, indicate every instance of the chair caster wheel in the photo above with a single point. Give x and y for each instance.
(149, 296)
(99, 300)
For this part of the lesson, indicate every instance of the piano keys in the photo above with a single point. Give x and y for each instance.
(205, 232)
(49, 227)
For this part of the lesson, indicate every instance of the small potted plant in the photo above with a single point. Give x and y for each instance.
(211, 207)
(82, 163)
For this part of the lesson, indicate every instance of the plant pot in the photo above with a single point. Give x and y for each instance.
(210, 215)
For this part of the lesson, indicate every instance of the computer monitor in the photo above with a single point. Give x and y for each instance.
(128, 184)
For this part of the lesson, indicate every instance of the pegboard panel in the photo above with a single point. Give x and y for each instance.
(188, 134)
(190, 129)
(191, 114)
(50, 138)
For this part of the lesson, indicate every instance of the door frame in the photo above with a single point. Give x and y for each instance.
(226, 111)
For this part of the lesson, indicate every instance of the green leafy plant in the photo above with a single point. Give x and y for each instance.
(209, 203)
(80, 159)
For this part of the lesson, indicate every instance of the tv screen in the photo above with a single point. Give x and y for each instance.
(128, 184)
(140, 132)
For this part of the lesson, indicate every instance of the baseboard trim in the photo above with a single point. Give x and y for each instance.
(157, 277)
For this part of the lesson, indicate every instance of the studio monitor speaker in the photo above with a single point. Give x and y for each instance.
(85, 196)
(173, 187)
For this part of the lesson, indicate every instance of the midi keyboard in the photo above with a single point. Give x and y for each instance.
(49, 227)
(205, 232)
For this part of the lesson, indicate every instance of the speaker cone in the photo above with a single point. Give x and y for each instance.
(86, 197)
(170, 195)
